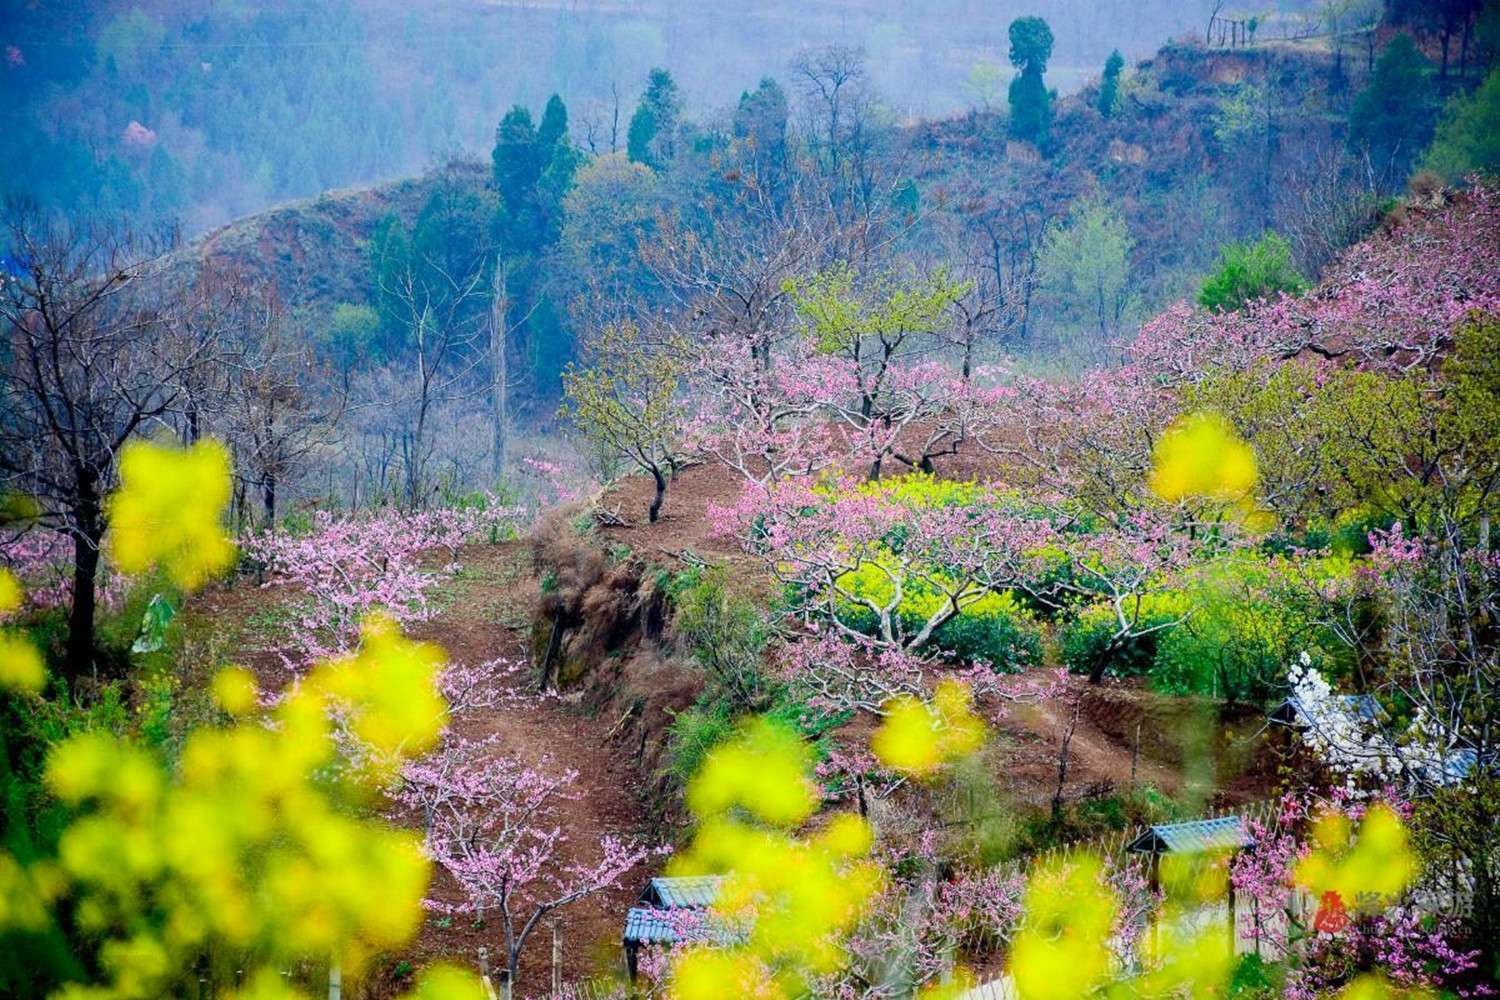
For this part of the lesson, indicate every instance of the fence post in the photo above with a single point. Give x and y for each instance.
(556, 958)
(335, 982)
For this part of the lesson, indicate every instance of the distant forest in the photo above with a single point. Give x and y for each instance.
(207, 112)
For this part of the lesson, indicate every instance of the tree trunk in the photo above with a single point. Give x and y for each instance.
(500, 377)
(81, 614)
(661, 494)
(268, 498)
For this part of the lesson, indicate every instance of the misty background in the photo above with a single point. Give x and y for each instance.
(205, 112)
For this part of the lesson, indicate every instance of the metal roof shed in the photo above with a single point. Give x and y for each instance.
(1195, 837)
(1199, 836)
(651, 923)
(692, 891)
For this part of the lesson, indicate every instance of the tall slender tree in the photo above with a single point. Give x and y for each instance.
(1030, 101)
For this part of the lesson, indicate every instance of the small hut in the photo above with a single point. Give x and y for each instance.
(659, 914)
(1199, 836)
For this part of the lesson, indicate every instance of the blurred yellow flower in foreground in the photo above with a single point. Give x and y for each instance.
(235, 691)
(1377, 862)
(918, 738)
(168, 511)
(1061, 951)
(791, 901)
(389, 689)
(1200, 455)
(764, 771)
(10, 592)
(21, 667)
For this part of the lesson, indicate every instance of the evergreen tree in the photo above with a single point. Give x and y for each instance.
(518, 165)
(561, 160)
(554, 127)
(390, 257)
(642, 133)
(653, 128)
(760, 124)
(1030, 101)
(1392, 119)
(1109, 87)
(1249, 272)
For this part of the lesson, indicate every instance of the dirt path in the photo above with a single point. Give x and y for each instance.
(484, 616)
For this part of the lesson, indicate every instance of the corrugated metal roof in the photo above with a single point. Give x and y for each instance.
(1193, 837)
(652, 925)
(694, 891)
(648, 926)
(1360, 706)
(1455, 767)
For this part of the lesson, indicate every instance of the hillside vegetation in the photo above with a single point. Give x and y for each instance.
(806, 552)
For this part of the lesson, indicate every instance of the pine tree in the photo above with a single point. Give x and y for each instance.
(641, 135)
(1109, 87)
(1030, 101)
(518, 167)
(653, 128)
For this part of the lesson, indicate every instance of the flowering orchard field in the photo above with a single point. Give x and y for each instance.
(922, 573)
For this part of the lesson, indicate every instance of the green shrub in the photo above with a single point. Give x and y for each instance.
(1255, 979)
(1248, 623)
(1089, 636)
(728, 633)
(1003, 638)
(1248, 272)
(692, 735)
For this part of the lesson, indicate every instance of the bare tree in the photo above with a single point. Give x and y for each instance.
(441, 306)
(279, 408)
(101, 339)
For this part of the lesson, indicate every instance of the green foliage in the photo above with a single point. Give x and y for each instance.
(626, 401)
(1468, 135)
(1109, 85)
(390, 259)
(995, 630)
(652, 136)
(640, 135)
(1030, 43)
(1392, 119)
(1256, 979)
(692, 735)
(1089, 636)
(353, 334)
(1249, 272)
(1030, 101)
(840, 311)
(1247, 624)
(1084, 265)
(727, 632)
(610, 214)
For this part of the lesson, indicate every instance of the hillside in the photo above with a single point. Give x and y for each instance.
(1183, 188)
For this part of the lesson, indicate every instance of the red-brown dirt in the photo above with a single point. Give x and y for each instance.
(484, 616)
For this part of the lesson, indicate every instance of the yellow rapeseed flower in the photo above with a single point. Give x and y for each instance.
(168, 511)
(1377, 862)
(918, 738)
(10, 592)
(1201, 456)
(21, 666)
(764, 771)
